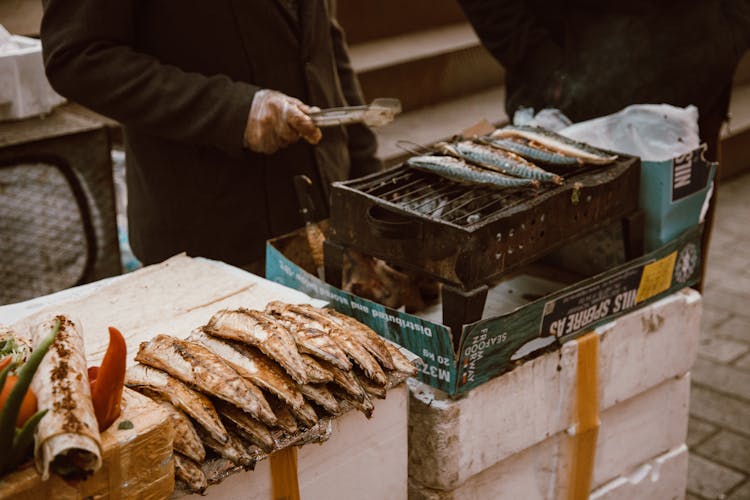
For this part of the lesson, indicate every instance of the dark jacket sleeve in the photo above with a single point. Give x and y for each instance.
(362, 142)
(89, 58)
(510, 32)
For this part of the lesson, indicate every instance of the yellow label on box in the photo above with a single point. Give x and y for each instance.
(656, 278)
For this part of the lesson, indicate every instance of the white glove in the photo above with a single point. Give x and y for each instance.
(277, 120)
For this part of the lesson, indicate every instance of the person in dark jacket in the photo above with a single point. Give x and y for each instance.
(214, 98)
(590, 59)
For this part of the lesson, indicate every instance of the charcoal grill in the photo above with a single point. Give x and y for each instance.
(466, 236)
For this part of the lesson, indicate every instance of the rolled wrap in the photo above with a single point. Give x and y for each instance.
(67, 438)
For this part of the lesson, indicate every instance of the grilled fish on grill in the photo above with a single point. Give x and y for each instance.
(253, 366)
(466, 173)
(531, 151)
(320, 395)
(186, 439)
(557, 143)
(195, 365)
(316, 374)
(189, 472)
(348, 340)
(153, 382)
(255, 431)
(499, 160)
(262, 331)
(309, 334)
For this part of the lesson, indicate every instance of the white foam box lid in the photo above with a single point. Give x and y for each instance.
(453, 440)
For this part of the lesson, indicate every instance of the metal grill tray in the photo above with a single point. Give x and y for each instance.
(467, 235)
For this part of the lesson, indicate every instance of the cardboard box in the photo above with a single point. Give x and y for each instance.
(136, 463)
(494, 346)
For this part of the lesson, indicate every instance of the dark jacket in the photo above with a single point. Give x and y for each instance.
(590, 58)
(180, 76)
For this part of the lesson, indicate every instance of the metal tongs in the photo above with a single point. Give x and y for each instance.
(381, 111)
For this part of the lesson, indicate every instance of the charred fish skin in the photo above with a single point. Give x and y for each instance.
(150, 381)
(309, 334)
(465, 173)
(556, 142)
(401, 362)
(321, 396)
(305, 415)
(233, 450)
(194, 364)
(366, 336)
(253, 366)
(186, 439)
(255, 431)
(346, 381)
(262, 331)
(526, 149)
(316, 374)
(346, 339)
(189, 473)
(365, 406)
(503, 161)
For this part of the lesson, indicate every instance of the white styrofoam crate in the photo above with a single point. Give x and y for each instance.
(454, 440)
(632, 432)
(363, 459)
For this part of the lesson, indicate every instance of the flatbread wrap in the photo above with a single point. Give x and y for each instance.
(67, 439)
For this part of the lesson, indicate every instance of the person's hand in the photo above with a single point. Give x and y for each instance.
(277, 120)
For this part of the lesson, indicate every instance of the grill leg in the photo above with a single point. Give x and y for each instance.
(462, 307)
(333, 261)
(632, 234)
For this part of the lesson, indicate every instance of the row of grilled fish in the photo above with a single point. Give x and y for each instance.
(508, 158)
(251, 382)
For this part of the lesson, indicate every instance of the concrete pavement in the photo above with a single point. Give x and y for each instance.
(719, 429)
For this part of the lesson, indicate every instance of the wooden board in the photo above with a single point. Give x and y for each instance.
(137, 462)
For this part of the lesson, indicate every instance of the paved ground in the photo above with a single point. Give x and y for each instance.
(719, 431)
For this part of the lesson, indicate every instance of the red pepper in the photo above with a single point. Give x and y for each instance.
(107, 381)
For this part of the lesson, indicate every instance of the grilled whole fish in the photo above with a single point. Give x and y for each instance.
(344, 337)
(460, 171)
(305, 415)
(285, 420)
(532, 151)
(189, 473)
(256, 432)
(320, 395)
(401, 362)
(500, 160)
(371, 389)
(557, 143)
(316, 374)
(262, 331)
(365, 335)
(153, 382)
(233, 450)
(309, 334)
(186, 439)
(253, 366)
(346, 381)
(194, 364)
(365, 406)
